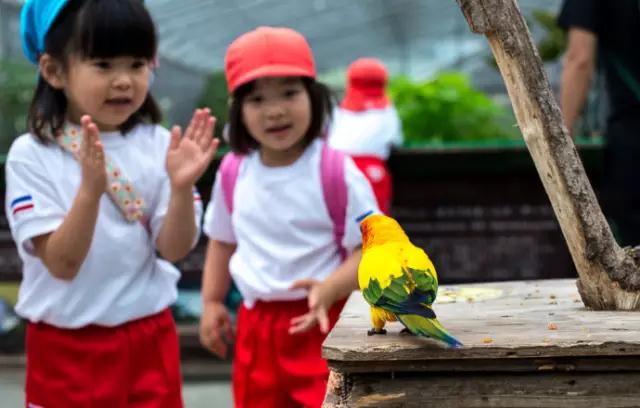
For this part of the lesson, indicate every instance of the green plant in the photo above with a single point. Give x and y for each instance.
(17, 82)
(554, 42)
(215, 97)
(447, 108)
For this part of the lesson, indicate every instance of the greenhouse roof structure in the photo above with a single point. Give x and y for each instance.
(414, 37)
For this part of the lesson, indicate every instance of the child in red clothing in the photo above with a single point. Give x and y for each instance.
(273, 225)
(99, 198)
(366, 126)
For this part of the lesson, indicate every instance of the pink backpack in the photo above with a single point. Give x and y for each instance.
(334, 187)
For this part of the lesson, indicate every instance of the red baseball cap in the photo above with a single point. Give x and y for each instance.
(366, 82)
(267, 52)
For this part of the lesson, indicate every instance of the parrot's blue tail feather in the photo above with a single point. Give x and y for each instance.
(422, 326)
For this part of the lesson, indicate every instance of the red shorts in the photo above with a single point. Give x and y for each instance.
(376, 171)
(136, 364)
(273, 369)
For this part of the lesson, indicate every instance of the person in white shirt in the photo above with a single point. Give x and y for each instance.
(100, 199)
(283, 223)
(366, 125)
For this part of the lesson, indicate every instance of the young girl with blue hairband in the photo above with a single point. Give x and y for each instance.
(100, 199)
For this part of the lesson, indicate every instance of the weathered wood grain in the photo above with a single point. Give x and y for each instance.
(515, 365)
(518, 320)
(609, 275)
(490, 390)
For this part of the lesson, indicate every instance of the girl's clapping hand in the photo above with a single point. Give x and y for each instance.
(189, 155)
(91, 158)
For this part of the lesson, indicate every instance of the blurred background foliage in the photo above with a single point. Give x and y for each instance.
(215, 97)
(17, 83)
(448, 109)
(554, 41)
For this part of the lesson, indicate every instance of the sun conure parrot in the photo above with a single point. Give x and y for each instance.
(398, 280)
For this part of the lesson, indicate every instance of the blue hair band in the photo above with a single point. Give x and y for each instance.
(36, 19)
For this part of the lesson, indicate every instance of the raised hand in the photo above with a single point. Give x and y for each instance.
(91, 159)
(189, 155)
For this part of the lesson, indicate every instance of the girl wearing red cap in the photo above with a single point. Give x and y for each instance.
(367, 126)
(100, 199)
(283, 223)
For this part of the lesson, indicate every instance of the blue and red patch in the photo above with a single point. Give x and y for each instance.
(21, 204)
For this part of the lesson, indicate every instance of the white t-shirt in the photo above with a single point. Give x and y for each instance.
(281, 224)
(122, 278)
(368, 133)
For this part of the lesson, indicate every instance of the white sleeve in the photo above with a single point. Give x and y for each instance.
(32, 205)
(217, 220)
(360, 201)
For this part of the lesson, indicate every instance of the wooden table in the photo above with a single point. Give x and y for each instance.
(527, 344)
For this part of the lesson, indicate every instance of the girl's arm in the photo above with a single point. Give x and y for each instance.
(188, 157)
(322, 295)
(179, 228)
(216, 278)
(64, 250)
(345, 279)
(215, 325)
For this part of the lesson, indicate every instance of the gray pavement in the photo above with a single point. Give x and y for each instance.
(197, 394)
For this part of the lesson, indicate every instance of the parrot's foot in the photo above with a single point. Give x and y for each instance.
(406, 331)
(374, 331)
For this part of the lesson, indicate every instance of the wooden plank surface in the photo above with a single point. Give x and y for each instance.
(507, 320)
(489, 390)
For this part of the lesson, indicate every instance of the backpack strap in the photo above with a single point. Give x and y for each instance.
(334, 190)
(229, 168)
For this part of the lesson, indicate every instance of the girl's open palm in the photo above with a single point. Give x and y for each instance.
(189, 155)
(91, 158)
(319, 300)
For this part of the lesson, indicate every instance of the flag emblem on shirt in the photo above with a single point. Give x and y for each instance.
(364, 215)
(22, 203)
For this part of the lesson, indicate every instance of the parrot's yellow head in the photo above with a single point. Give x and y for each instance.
(379, 229)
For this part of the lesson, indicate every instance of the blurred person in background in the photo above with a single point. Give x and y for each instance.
(604, 34)
(366, 126)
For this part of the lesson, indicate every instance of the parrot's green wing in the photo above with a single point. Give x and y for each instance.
(425, 282)
(411, 292)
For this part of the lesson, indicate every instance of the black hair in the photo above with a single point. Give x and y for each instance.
(93, 29)
(241, 141)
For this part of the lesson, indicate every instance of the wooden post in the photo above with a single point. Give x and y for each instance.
(609, 275)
